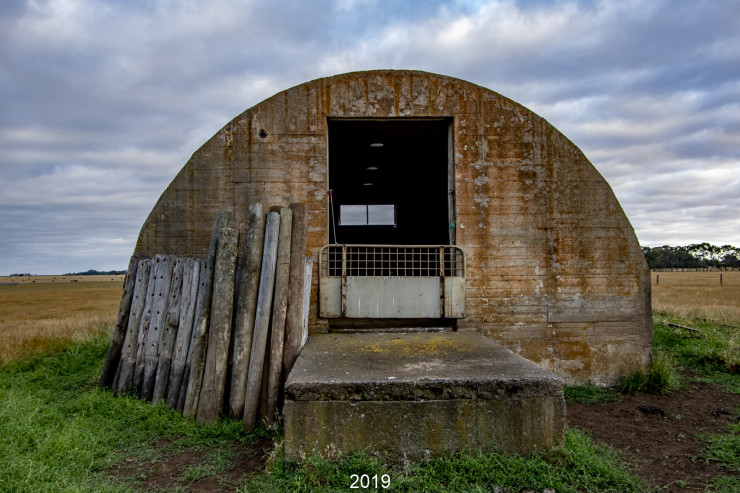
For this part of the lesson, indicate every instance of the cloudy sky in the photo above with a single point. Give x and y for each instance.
(102, 102)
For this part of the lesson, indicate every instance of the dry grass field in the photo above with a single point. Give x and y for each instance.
(40, 312)
(698, 295)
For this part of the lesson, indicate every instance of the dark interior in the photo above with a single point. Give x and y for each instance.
(399, 162)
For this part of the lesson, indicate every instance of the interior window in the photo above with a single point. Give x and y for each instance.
(367, 215)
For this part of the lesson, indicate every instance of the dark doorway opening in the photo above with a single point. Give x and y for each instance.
(389, 181)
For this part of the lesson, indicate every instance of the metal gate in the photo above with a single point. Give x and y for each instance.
(391, 281)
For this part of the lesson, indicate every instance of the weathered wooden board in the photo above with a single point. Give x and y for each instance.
(279, 312)
(169, 331)
(202, 314)
(211, 398)
(190, 281)
(146, 319)
(119, 330)
(202, 272)
(125, 371)
(246, 307)
(306, 303)
(156, 326)
(261, 320)
(294, 316)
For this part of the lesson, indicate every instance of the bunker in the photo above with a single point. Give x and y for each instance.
(436, 207)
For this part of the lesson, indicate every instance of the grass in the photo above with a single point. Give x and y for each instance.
(45, 316)
(698, 295)
(60, 432)
(580, 465)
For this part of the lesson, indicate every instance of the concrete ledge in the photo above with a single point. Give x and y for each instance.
(418, 395)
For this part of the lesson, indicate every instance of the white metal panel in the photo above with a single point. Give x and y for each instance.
(393, 297)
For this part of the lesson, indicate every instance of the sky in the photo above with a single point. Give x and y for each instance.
(102, 102)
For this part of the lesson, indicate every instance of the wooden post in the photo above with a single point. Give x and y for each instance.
(211, 398)
(657, 279)
(202, 314)
(306, 302)
(119, 331)
(294, 317)
(246, 306)
(184, 329)
(125, 371)
(261, 321)
(279, 312)
(189, 358)
(156, 327)
(146, 319)
(720, 279)
(169, 332)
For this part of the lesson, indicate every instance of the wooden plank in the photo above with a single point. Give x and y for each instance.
(306, 304)
(125, 372)
(246, 306)
(211, 398)
(294, 316)
(202, 316)
(202, 265)
(189, 295)
(119, 330)
(146, 319)
(279, 313)
(156, 327)
(261, 320)
(169, 331)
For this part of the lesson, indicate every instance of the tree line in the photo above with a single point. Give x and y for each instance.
(696, 256)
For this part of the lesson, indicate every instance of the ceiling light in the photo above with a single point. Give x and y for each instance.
(372, 168)
(367, 184)
(377, 144)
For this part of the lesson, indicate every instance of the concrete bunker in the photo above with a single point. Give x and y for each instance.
(553, 270)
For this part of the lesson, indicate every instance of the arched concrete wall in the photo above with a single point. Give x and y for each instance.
(555, 271)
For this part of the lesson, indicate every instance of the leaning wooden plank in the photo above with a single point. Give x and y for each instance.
(279, 311)
(145, 323)
(261, 321)
(169, 332)
(119, 330)
(294, 317)
(246, 306)
(189, 358)
(184, 329)
(211, 398)
(202, 313)
(125, 372)
(306, 302)
(156, 327)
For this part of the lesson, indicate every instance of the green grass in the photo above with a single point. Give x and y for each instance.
(589, 394)
(713, 348)
(725, 449)
(580, 465)
(60, 432)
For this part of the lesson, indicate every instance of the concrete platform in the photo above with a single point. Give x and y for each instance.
(418, 395)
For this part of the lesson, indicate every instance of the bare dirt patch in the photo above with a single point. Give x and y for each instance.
(174, 468)
(662, 434)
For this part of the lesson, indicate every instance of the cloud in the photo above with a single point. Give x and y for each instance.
(104, 101)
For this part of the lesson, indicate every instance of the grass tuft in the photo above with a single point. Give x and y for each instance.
(661, 379)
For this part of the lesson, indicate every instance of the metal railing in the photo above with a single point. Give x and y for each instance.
(391, 261)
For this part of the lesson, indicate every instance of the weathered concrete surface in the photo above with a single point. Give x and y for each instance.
(416, 395)
(555, 272)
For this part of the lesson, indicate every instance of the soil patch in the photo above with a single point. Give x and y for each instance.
(172, 467)
(662, 434)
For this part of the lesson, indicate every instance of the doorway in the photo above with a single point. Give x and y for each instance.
(390, 181)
